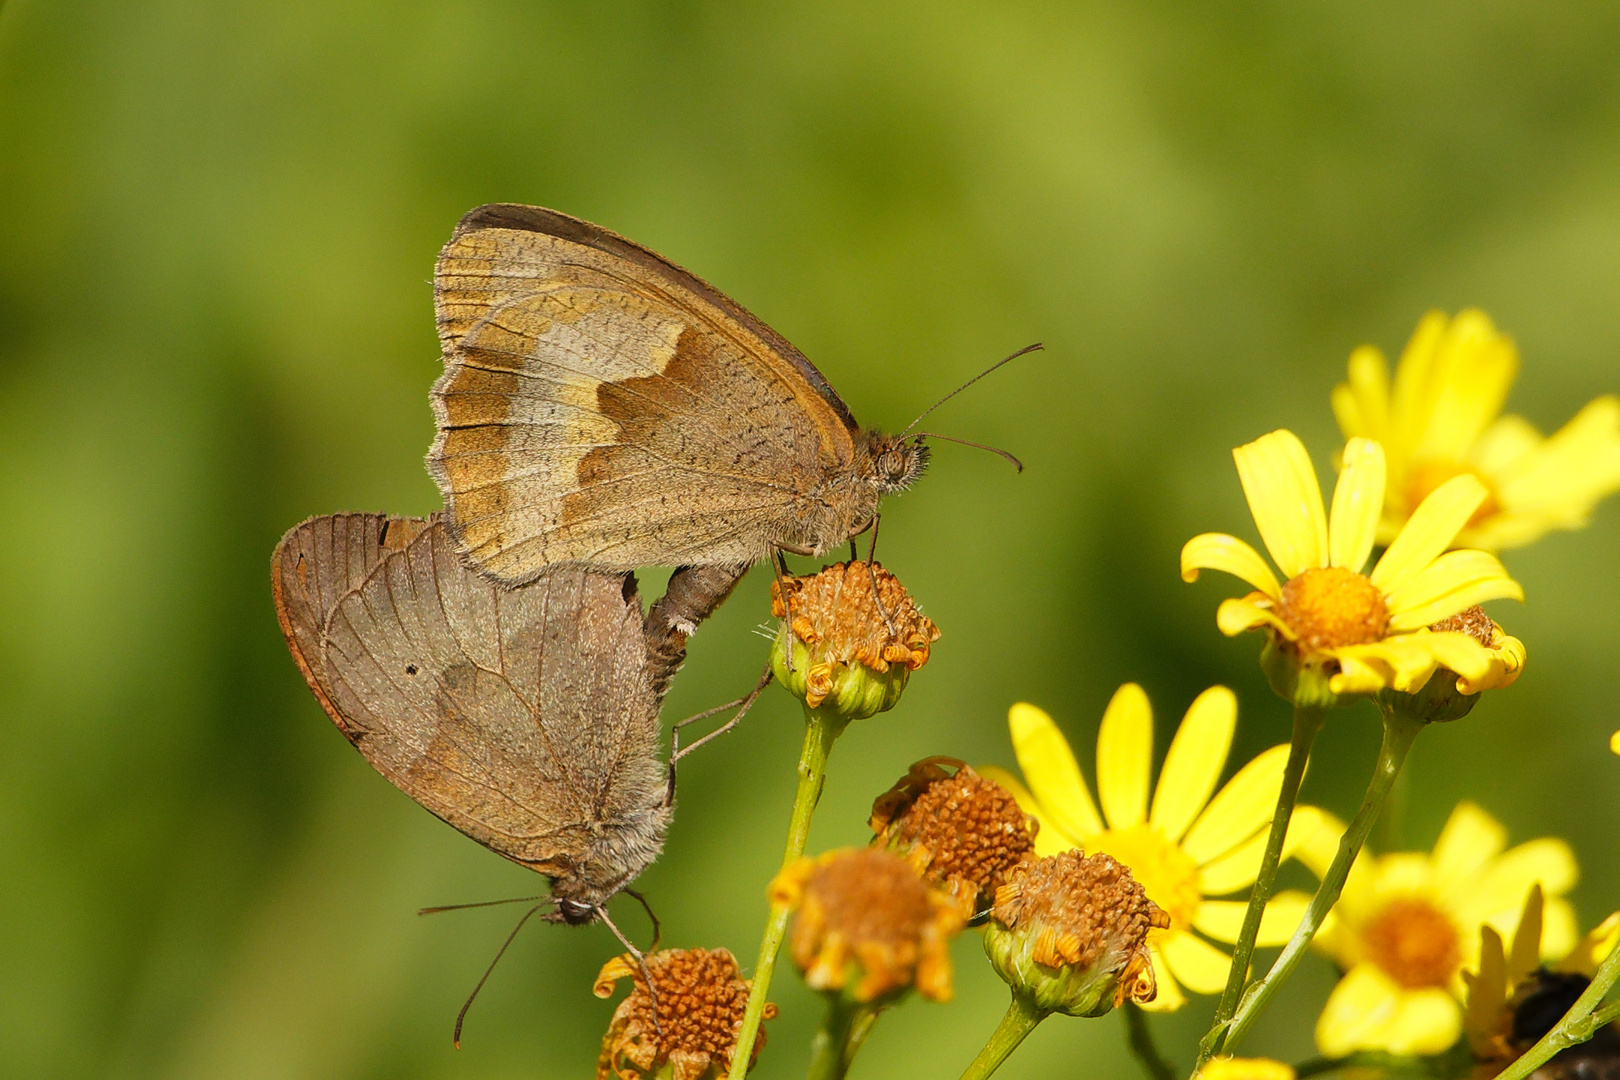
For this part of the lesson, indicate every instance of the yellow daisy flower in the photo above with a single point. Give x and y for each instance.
(1407, 925)
(1183, 849)
(1236, 1068)
(1372, 630)
(1440, 420)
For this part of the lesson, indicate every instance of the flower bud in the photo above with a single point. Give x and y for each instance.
(852, 650)
(960, 831)
(866, 927)
(699, 1007)
(1069, 934)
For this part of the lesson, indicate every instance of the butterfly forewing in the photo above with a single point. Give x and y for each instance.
(602, 406)
(524, 717)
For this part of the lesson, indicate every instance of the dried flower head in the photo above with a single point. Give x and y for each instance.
(853, 649)
(700, 1002)
(867, 926)
(1070, 933)
(1451, 696)
(957, 829)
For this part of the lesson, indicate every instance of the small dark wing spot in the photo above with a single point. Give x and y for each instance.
(410, 669)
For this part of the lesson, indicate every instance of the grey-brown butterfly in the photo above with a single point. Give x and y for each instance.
(525, 717)
(601, 406)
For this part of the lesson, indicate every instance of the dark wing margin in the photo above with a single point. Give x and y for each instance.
(537, 219)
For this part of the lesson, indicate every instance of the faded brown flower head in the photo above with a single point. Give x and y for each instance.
(843, 646)
(1070, 932)
(700, 1004)
(958, 830)
(867, 926)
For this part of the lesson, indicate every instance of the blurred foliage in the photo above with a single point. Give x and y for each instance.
(217, 229)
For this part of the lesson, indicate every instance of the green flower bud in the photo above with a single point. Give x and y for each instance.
(1069, 934)
(852, 651)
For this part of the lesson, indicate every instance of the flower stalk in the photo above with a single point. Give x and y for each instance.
(821, 730)
(1021, 1017)
(1400, 730)
(840, 1038)
(1308, 713)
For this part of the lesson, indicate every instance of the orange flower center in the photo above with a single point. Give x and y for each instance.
(1428, 475)
(1166, 873)
(1330, 606)
(1414, 942)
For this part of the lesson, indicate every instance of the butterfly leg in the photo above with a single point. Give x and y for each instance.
(877, 598)
(780, 568)
(742, 705)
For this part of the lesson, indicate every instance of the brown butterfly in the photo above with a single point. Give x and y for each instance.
(525, 717)
(601, 406)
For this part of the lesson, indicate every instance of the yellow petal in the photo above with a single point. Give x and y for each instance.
(1239, 809)
(1558, 934)
(1499, 890)
(1428, 1022)
(1218, 551)
(1470, 839)
(1195, 760)
(1358, 501)
(1223, 919)
(1125, 757)
(1285, 499)
(1449, 573)
(1454, 581)
(1503, 446)
(1358, 1013)
(1487, 992)
(1429, 531)
(1525, 955)
(1169, 998)
(1362, 405)
(1196, 963)
(1565, 475)
(1249, 613)
(1474, 369)
(1238, 868)
(1318, 848)
(1414, 377)
(1053, 775)
(1591, 950)
(1049, 838)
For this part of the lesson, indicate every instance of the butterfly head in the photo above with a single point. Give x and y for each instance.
(897, 461)
(573, 912)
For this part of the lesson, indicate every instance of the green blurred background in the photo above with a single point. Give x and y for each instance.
(217, 230)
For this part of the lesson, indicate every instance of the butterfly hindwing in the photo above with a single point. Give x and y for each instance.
(524, 717)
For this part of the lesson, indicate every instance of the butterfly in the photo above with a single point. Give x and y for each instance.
(525, 717)
(600, 406)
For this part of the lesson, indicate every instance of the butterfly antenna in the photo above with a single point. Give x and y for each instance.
(1019, 465)
(641, 961)
(1026, 349)
(462, 1015)
(482, 903)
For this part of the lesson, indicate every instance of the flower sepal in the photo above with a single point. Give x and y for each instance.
(1437, 702)
(1306, 682)
(846, 691)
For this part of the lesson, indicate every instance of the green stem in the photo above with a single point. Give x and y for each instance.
(840, 1039)
(1399, 732)
(1021, 1018)
(821, 730)
(1142, 1045)
(1583, 1020)
(1307, 722)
